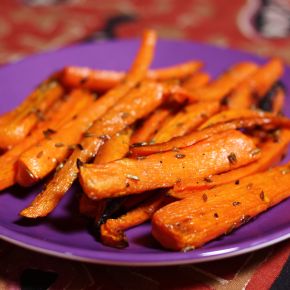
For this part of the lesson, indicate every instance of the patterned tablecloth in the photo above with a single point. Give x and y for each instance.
(30, 26)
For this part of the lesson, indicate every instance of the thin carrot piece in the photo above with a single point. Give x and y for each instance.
(271, 153)
(278, 102)
(224, 84)
(151, 125)
(59, 114)
(102, 80)
(130, 176)
(197, 136)
(17, 128)
(196, 81)
(252, 89)
(112, 231)
(194, 221)
(186, 120)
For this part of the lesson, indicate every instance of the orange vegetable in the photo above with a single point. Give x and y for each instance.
(189, 118)
(271, 153)
(196, 136)
(278, 102)
(17, 125)
(224, 84)
(194, 221)
(102, 80)
(61, 113)
(253, 88)
(217, 154)
(112, 231)
(196, 81)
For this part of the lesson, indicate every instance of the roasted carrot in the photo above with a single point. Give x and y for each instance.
(102, 80)
(60, 113)
(115, 148)
(196, 81)
(112, 231)
(194, 221)
(252, 89)
(223, 85)
(271, 153)
(129, 176)
(16, 129)
(278, 102)
(48, 199)
(189, 118)
(140, 149)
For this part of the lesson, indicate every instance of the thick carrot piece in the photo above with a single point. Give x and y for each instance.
(257, 85)
(194, 221)
(17, 128)
(102, 80)
(271, 153)
(223, 85)
(115, 148)
(186, 120)
(129, 176)
(197, 136)
(62, 112)
(112, 231)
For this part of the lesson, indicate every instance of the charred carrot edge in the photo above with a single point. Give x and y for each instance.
(115, 148)
(252, 89)
(231, 149)
(59, 114)
(112, 231)
(271, 153)
(48, 199)
(150, 125)
(102, 80)
(194, 221)
(224, 84)
(196, 81)
(189, 118)
(197, 136)
(21, 124)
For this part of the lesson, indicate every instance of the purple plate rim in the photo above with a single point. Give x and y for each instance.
(121, 259)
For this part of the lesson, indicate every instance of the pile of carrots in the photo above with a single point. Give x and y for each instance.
(190, 153)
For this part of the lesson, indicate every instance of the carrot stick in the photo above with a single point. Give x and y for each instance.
(257, 85)
(197, 136)
(186, 120)
(271, 153)
(130, 176)
(278, 102)
(151, 125)
(16, 129)
(223, 85)
(196, 81)
(59, 114)
(194, 221)
(112, 231)
(102, 80)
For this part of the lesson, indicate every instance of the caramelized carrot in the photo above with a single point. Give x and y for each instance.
(186, 120)
(271, 153)
(223, 85)
(102, 80)
(112, 231)
(257, 85)
(196, 81)
(278, 102)
(62, 112)
(16, 128)
(194, 221)
(217, 154)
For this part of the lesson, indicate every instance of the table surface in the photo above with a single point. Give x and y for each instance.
(31, 26)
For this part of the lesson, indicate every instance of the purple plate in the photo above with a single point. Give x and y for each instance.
(64, 233)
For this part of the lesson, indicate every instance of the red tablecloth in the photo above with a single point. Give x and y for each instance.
(31, 26)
